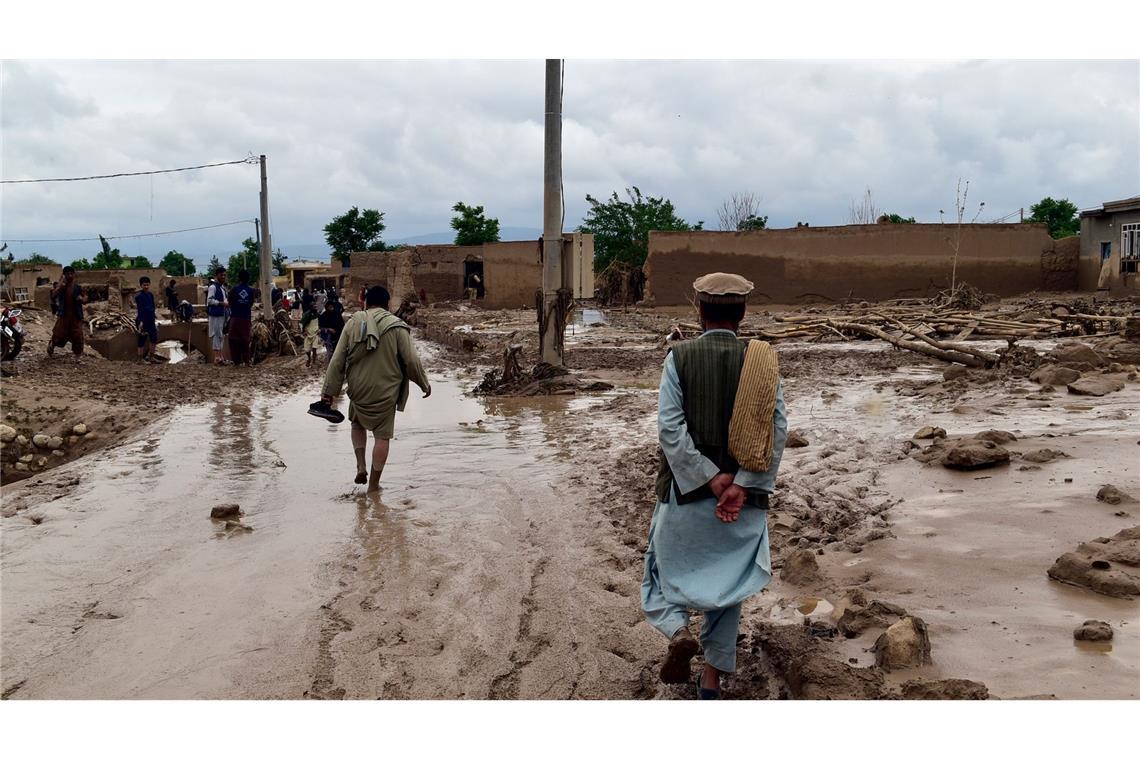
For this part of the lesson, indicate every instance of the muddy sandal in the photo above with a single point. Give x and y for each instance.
(677, 667)
(703, 693)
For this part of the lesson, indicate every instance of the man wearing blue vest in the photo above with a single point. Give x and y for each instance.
(241, 297)
(708, 540)
(217, 304)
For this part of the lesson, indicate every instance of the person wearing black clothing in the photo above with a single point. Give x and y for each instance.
(145, 320)
(171, 298)
(331, 324)
(307, 300)
(67, 299)
(242, 298)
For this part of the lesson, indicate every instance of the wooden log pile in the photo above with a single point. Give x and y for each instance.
(937, 331)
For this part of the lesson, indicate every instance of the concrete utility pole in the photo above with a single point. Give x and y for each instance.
(266, 279)
(552, 311)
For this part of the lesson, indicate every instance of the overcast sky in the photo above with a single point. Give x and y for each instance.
(412, 138)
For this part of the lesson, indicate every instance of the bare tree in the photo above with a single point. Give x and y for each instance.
(741, 212)
(960, 195)
(864, 211)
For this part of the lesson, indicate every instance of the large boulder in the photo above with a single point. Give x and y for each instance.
(1041, 456)
(995, 436)
(974, 455)
(40, 440)
(929, 431)
(1097, 385)
(1054, 374)
(7, 434)
(905, 644)
(1109, 566)
(1112, 495)
(1093, 630)
(1074, 352)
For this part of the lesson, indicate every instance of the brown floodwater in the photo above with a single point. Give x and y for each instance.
(446, 585)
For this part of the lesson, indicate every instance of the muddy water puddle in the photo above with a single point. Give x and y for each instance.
(201, 608)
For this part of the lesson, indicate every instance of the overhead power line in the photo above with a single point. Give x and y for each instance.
(247, 160)
(129, 237)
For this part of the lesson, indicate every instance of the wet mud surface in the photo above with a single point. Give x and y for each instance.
(503, 558)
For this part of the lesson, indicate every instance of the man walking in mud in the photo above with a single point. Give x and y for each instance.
(376, 357)
(67, 301)
(722, 430)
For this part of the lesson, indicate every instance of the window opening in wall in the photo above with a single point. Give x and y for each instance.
(1129, 247)
(473, 278)
(21, 294)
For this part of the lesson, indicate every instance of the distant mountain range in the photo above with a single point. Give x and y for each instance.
(321, 252)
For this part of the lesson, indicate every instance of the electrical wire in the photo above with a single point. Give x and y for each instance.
(130, 237)
(248, 160)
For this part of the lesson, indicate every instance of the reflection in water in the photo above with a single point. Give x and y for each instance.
(231, 443)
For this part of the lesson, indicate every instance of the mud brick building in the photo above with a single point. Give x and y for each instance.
(872, 261)
(509, 273)
(1110, 246)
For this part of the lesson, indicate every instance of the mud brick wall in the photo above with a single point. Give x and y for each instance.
(438, 269)
(512, 274)
(873, 262)
(1059, 266)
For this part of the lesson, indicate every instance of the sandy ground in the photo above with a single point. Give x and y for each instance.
(503, 558)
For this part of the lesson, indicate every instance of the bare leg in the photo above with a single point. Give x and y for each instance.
(379, 458)
(359, 441)
(710, 678)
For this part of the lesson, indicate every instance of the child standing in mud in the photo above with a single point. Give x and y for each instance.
(708, 540)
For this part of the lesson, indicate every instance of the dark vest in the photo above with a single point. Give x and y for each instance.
(709, 370)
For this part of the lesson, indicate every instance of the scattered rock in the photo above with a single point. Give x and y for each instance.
(1072, 352)
(801, 568)
(1093, 630)
(40, 440)
(80, 429)
(796, 440)
(21, 466)
(1112, 495)
(1097, 385)
(974, 455)
(7, 433)
(946, 688)
(954, 371)
(55, 442)
(222, 511)
(1041, 456)
(905, 644)
(27, 458)
(1029, 467)
(995, 436)
(23, 440)
(1053, 374)
(1109, 566)
(57, 453)
(930, 432)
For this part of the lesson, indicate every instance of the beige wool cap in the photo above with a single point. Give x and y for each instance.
(721, 287)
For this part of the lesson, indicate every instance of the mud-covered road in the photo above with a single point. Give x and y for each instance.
(473, 575)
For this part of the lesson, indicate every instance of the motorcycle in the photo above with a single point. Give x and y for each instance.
(11, 334)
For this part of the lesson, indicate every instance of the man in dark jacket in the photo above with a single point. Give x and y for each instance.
(171, 293)
(242, 298)
(67, 301)
(331, 324)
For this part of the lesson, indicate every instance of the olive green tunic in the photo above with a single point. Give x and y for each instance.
(376, 357)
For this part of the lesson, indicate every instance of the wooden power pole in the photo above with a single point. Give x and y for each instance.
(266, 279)
(551, 306)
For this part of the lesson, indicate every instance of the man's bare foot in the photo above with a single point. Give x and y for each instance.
(710, 678)
(677, 667)
(361, 478)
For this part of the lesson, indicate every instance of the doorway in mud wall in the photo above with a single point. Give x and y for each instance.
(473, 278)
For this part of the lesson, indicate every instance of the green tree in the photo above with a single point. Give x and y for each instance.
(355, 230)
(250, 258)
(81, 264)
(137, 262)
(176, 264)
(621, 228)
(752, 222)
(1060, 216)
(471, 227)
(37, 258)
(896, 219)
(108, 258)
(212, 267)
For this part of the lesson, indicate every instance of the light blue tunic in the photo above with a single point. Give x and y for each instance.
(694, 560)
